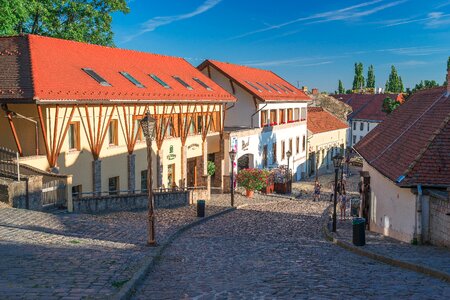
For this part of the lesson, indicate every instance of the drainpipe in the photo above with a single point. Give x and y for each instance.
(418, 228)
(251, 117)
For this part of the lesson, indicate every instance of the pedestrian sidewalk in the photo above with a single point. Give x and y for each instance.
(430, 260)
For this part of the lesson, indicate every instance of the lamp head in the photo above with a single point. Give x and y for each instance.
(288, 154)
(337, 161)
(232, 154)
(148, 126)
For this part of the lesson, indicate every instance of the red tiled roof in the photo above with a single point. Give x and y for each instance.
(249, 78)
(413, 142)
(55, 67)
(367, 106)
(320, 120)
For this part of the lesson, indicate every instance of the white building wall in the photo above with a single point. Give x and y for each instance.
(240, 114)
(359, 133)
(392, 209)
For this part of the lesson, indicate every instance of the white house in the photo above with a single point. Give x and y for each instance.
(268, 119)
(367, 113)
(326, 138)
(406, 170)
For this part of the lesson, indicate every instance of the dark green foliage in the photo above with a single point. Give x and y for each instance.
(341, 89)
(79, 20)
(370, 78)
(389, 105)
(358, 80)
(394, 83)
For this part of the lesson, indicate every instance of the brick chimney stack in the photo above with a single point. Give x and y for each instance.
(315, 91)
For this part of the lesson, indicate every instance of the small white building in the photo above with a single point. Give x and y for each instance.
(406, 170)
(326, 138)
(367, 113)
(268, 119)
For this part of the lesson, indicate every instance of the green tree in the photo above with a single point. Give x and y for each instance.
(370, 78)
(389, 105)
(358, 80)
(341, 89)
(448, 70)
(79, 20)
(394, 84)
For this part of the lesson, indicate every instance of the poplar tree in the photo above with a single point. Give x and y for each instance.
(370, 78)
(358, 80)
(394, 84)
(341, 89)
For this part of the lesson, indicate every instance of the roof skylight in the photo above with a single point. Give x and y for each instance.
(182, 82)
(289, 89)
(202, 84)
(282, 88)
(273, 87)
(263, 86)
(96, 77)
(253, 86)
(132, 79)
(159, 80)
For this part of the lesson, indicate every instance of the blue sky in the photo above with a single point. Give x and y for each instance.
(311, 42)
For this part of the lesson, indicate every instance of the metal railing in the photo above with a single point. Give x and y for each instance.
(9, 163)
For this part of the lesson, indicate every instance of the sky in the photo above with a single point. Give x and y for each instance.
(311, 43)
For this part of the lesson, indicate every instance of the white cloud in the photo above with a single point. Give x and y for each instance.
(432, 20)
(351, 12)
(156, 22)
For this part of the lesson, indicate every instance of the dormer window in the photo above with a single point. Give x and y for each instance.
(96, 77)
(183, 83)
(132, 79)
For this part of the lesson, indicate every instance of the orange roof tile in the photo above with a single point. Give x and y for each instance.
(263, 84)
(56, 72)
(320, 121)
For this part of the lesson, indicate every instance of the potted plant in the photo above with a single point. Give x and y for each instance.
(252, 180)
(269, 188)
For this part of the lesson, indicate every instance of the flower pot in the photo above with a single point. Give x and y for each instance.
(249, 194)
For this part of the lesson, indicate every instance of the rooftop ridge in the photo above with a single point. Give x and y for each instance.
(406, 130)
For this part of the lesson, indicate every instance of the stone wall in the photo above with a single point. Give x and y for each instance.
(129, 202)
(26, 194)
(439, 221)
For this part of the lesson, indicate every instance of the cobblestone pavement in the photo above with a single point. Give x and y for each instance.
(428, 256)
(52, 256)
(276, 250)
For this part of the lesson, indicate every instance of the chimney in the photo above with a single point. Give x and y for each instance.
(305, 89)
(315, 91)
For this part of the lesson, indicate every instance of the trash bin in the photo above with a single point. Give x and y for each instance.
(201, 208)
(359, 233)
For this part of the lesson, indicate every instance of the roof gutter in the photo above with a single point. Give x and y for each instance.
(115, 101)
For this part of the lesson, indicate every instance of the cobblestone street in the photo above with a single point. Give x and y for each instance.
(276, 250)
(54, 256)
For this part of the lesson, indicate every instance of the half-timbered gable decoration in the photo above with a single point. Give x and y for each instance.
(87, 101)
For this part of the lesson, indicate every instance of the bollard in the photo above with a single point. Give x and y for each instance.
(201, 208)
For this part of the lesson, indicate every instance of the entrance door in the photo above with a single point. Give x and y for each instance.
(191, 172)
(171, 175)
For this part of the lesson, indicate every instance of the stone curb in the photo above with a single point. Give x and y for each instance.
(385, 259)
(148, 263)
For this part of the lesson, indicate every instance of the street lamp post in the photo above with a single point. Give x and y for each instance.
(337, 161)
(232, 158)
(148, 129)
(288, 155)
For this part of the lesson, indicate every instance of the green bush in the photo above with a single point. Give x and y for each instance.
(211, 168)
(253, 179)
